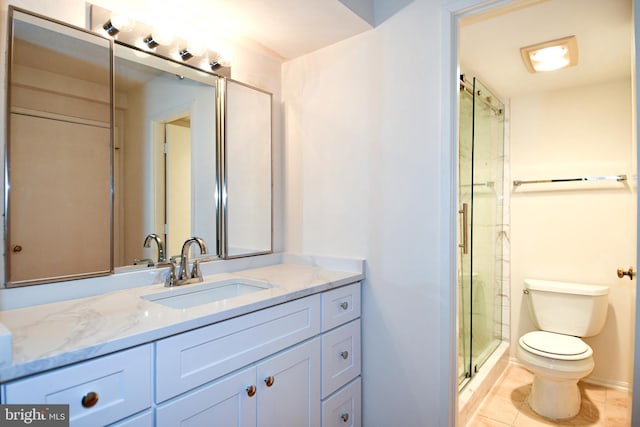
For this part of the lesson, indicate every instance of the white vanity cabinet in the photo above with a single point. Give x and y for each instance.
(99, 391)
(293, 365)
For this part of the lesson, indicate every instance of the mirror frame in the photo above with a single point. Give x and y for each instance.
(13, 13)
(222, 157)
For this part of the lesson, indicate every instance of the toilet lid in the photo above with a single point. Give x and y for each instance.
(555, 344)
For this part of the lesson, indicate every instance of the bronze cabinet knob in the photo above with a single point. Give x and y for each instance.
(269, 381)
(90, 399)
(251, 390)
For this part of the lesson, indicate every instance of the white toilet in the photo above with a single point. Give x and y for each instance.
(555, 354)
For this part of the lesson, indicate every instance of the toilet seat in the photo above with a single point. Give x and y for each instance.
(555, 346)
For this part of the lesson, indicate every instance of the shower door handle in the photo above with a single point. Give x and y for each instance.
(465, 228)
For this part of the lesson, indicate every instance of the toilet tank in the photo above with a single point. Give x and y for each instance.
(567, 308)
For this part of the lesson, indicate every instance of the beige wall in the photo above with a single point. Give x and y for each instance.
(580, 232)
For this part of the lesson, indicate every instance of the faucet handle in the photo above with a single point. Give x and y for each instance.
(148, 261)
(172, 278)
(196, 272)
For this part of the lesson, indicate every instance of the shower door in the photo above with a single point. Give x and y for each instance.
(480, 184)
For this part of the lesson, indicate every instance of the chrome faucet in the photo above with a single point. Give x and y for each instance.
(183, 276)
(184, 259)
(147, 244)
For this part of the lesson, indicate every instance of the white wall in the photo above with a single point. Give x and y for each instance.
(363, 176)
(579, 232)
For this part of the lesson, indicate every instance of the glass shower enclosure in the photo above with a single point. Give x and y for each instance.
(480, 195)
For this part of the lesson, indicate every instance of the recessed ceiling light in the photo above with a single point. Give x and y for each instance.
(551, 55)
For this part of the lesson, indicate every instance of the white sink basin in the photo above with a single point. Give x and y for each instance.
(186, 296)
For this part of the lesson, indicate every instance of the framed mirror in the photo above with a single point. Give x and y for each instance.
(58, 171)
(246, 220)
(110, 149)
(164, 158)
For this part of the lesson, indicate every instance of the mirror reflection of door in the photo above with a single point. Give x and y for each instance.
(58, 152)
(178, 184)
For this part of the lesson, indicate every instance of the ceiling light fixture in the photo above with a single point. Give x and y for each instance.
(551, 55)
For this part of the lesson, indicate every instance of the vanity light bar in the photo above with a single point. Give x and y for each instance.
(146, 38)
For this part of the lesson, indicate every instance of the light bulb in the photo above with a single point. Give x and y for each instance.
(225, 60)
(121, 22)
(550, 58)
(196, 48)
(163, 36)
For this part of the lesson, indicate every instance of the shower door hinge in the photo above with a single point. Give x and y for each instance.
(475, 369)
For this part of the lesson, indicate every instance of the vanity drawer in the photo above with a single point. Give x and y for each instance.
(344, 409)
(193, 358)
(120, 381)
(340, 306)
(340, 356)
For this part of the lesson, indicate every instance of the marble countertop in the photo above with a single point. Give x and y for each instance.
(60, 333)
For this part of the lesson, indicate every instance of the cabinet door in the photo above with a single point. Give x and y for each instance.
(289, 387)
(226, 402)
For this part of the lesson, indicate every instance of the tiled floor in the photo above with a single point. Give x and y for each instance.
(506, 405)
